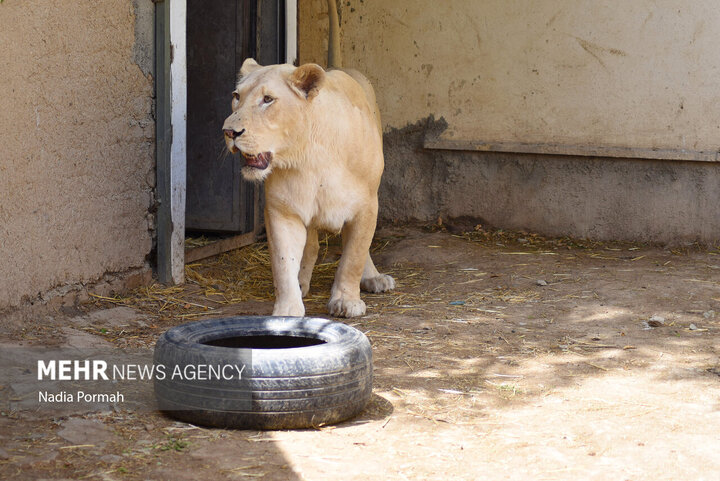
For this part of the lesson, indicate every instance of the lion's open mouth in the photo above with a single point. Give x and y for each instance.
(259, 161)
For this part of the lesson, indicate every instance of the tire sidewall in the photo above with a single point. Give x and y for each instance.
(287, 387)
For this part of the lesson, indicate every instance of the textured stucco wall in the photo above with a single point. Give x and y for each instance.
(641, 74)
(447, 68)
(77, 143)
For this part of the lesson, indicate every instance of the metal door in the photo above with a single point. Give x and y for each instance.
(221, 34)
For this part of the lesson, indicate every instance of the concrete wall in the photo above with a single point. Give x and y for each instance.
(593, 197)
(621, 75)
(77, 152)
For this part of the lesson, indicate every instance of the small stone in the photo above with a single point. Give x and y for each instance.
(541, 282)
(111, 458)
(4, 454)
(656, 321)
(692, 327)
(85, 431)
(83, 340)
(709, 314)
(120, 316)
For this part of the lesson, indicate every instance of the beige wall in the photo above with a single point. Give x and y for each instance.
(77, 145)
(640, 74)
(616, 75)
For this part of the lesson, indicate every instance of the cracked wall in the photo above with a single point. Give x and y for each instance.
(641, 74)
(77, 168)
(546, 73)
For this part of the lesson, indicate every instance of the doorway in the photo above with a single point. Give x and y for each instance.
(200, 47)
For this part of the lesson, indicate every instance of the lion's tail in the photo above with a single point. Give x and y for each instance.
(334, 53)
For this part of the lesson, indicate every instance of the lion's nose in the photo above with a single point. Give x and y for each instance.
(233, 133)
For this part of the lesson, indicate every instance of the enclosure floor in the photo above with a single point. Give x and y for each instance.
(498, 356)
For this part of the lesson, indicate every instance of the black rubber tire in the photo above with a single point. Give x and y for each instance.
(284, 388)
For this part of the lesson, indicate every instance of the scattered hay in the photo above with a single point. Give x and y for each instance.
(201, 241)
(508, 238)
(236, 276)
(245, 274)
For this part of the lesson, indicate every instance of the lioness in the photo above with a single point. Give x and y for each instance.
(314, 137)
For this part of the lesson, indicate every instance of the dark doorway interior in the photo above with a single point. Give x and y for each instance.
(221, 34)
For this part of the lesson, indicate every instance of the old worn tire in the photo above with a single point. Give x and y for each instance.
(283, 388)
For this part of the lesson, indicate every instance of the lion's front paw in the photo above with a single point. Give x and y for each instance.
(380, 283)
(343, 307)
(290, 309)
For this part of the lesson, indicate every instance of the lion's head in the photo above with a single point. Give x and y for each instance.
(269, 115)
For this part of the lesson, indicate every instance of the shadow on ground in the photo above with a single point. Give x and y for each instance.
(499, 354)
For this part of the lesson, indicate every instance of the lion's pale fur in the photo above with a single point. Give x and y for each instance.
(323, 131)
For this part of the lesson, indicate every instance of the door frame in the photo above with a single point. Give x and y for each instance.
(171, 129)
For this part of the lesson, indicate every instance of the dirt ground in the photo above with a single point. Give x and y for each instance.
(499, 356)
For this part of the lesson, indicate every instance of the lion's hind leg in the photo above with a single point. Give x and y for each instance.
(373, 281)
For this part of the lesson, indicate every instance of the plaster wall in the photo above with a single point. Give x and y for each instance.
(618, 75)
(77, 143)
(641, 74)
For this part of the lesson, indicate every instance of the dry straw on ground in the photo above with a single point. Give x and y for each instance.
(245, 275)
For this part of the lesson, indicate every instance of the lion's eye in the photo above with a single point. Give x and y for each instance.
(268, 99)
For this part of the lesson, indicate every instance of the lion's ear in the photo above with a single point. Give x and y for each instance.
(249, 65)
(307, 80)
